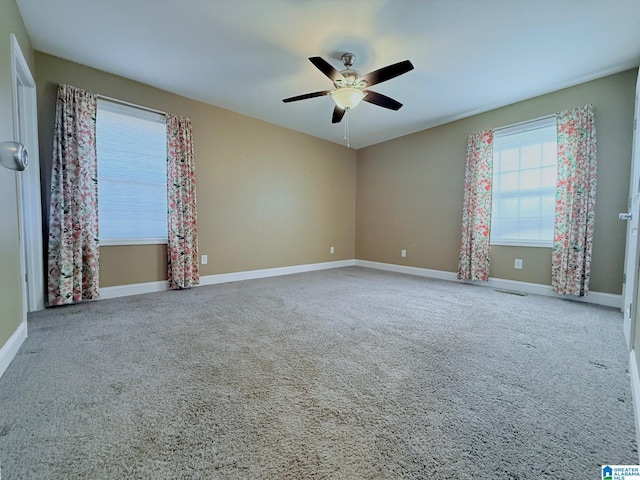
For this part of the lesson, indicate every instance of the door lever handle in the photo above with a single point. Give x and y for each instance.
(625, 216)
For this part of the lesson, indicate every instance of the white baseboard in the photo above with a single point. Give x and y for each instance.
(11, 347)
(149, 287)
(635, 392)
(420, 272)
(598, 298)
(272, 272)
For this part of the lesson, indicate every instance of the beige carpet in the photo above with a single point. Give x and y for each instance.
(342, 374)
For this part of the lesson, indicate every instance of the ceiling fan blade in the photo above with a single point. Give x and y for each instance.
(338, 113)
(326, 68)
(307, 95)
(387, 73)
(381, 100)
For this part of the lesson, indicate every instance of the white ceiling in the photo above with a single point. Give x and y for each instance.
(247, 55)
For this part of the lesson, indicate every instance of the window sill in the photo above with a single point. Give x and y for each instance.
(109, 242)
(521, 244)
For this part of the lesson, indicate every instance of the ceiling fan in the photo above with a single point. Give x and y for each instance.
(351, 87)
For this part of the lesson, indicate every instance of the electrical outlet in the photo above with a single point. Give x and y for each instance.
(204, 260)
(332, 250)
(403, 253)
(517, 264)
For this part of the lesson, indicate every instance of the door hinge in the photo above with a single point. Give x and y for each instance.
(635, 123)
(624, 278)
(26, 278)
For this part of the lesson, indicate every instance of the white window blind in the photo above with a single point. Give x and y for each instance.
(524, 184)
(132, 175)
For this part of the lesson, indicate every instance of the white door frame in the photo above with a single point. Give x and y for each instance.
(632, 252)
(25, 119)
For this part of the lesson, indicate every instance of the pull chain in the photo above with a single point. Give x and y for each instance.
(346, 126)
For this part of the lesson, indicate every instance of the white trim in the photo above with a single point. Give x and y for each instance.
(109, 242)
(11, 347)
(635, 391)
(28, 182)
(160, 286)
(20, 181)
(272, 272)
(526, 125)
(129, 104)
(598, 298)
(516, 99)
(632, 246)
(133, 289)
(420, 272)
(522, 243)
(141, 113)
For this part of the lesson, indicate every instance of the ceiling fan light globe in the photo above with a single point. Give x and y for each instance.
(347, 98)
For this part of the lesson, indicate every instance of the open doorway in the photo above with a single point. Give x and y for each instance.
(26, 131)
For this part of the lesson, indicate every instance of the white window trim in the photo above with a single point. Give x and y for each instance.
(525, 125)
(521, 127)
(147, 114)
(521, 243)
(130, 109)
(133, 241)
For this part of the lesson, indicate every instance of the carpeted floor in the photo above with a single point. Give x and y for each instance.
(342, 374)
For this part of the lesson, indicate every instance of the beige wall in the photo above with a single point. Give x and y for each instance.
(267, 196)
(11, 311)
(133, 263)
(271, 197)
(536, 263)
(410, 190)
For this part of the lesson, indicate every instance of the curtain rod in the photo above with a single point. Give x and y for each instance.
(122, 102)
(552, 115)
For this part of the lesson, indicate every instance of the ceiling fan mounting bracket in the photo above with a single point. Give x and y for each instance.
(348, 59)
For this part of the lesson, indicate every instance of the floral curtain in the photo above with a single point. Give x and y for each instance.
(73, 209)
(476, 214)
(575, 201)
(181, 186)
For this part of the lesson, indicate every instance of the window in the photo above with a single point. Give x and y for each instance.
(524, 184)
(132, 175)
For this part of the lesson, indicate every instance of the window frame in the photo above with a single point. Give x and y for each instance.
(110, 242)
(126, 108)
(543, 122)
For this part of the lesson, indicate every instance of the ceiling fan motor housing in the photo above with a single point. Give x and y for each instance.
(350, 79)
(350, 75)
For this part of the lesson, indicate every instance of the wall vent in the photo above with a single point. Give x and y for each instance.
(512, 293)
